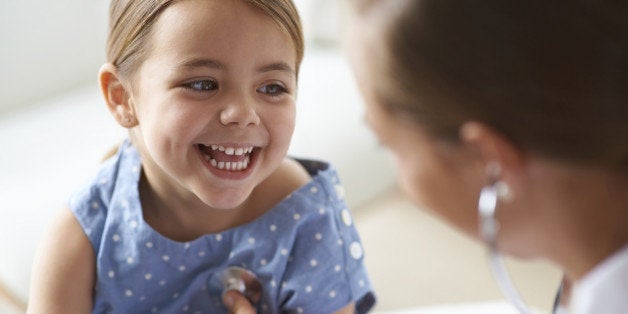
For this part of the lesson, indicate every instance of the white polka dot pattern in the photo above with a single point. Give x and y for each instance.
(140, 271)
(346, 217)
(356, 250)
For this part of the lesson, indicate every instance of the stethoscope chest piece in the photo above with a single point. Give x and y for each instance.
(235, 278)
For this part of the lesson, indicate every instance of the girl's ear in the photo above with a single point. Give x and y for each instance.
(494, 150)
(116, 95)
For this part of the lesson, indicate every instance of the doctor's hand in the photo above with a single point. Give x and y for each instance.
(236, 303)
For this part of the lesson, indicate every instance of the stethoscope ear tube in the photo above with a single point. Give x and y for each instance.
(505, 283)
(489, 227)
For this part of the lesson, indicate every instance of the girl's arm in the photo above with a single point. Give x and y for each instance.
(63, 276)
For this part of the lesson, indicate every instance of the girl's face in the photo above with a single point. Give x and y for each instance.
(215, 101)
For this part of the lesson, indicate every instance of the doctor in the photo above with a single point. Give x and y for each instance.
(513, 114)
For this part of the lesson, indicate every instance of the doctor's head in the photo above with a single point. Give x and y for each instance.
(529, 93)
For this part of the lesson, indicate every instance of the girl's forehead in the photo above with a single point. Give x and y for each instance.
(213, 16)
(220, 29)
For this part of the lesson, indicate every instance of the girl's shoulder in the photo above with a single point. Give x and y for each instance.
(288, 178)
(114, 184)
(293, 175)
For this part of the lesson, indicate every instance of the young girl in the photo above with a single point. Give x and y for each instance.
(514, 114)
(207, 91)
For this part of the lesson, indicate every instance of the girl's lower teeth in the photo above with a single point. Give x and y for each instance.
(231, 166)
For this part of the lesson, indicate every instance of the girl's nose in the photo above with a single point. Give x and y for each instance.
(239, 114)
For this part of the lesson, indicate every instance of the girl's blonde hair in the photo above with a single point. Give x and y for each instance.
(131, 22)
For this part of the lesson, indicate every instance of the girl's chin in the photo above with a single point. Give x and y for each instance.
(226, 201)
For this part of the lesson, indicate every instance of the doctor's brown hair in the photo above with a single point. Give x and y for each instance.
(552, 76)
(131, 22)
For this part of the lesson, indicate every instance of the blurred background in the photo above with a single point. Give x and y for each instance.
(54, 130)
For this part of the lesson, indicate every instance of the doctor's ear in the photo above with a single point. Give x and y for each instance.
(494, 149)
(117, 96)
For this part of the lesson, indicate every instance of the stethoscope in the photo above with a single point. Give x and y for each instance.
(235, 278)
(489, 228)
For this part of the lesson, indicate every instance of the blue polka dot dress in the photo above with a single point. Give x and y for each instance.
(305, 251)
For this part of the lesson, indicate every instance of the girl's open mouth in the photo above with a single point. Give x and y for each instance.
(227, 158)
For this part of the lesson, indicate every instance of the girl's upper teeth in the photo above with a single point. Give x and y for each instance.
(238, 151)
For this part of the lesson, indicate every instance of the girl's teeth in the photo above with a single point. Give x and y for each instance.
(231, 166)
(239, 151)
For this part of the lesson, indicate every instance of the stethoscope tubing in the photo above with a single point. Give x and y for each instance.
(489, 228)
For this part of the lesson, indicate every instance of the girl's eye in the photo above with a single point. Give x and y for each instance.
(272, 89)
(202, 86)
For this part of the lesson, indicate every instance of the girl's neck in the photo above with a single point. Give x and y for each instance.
(185, 218)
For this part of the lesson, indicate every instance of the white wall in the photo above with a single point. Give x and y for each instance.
(47, 47)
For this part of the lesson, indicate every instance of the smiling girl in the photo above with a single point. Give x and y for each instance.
(207, 90)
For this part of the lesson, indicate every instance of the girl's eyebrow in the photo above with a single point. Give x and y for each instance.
(213, 64)
(277, 66)
(203, 63)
